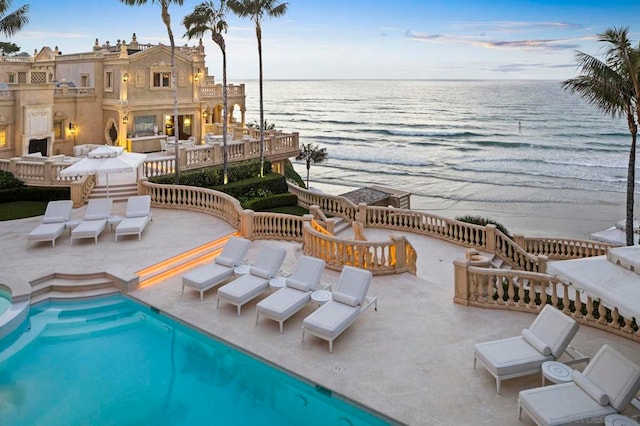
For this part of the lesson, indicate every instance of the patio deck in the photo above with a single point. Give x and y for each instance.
(412, 360)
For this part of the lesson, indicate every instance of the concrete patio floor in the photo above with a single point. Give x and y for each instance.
(411, 361)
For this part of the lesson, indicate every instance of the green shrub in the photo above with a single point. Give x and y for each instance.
(8, 181)
(256, 187)
(292, 175)
(478, 220)
(208, 177)
(271, 202)
(34, 193)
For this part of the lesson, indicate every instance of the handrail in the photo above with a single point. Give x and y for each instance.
(333, 205)
(562, 248)
(379, 257)
(530, 291)
(507, 249)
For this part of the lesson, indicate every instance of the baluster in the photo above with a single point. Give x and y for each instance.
(511, 291)
(578, 305)
(602, 311)
(565, 300)
(615, 316)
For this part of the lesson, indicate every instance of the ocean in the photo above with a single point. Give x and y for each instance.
(523, 152)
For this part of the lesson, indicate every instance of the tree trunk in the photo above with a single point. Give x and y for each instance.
(166, 18)
(259, 36)
(631, 178)
(225, 154)
(308, 168)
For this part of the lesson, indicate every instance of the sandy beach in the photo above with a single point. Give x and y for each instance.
(562, 220)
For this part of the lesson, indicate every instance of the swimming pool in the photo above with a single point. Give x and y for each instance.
(114, 362)
(5, 301)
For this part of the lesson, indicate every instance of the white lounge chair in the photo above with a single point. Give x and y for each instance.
(295, 294)
(207, 276)
(249, 286)
(53, 222)
(545, 340)
(349, 300)
(606, 386)
(95, 220)
(137, 216)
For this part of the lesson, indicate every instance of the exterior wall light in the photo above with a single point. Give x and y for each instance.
(125, 77)
(125, 119)
(72, 128)
(205, 114)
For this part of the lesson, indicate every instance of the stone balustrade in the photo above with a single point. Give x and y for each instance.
(561, 248)
(37, 173)
(530, 291)
(80, 190)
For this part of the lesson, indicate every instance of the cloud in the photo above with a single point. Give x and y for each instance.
(540, 44)
(517, 26)
(520, 67)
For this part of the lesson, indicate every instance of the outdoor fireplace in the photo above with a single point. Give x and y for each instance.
(38, 145)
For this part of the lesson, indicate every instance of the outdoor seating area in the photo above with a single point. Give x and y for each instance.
(256, 281)
(546, 339)
(221, 269)
(53, 223)
(349, 299)
(137, 217)
(605, 387)
(95, 220)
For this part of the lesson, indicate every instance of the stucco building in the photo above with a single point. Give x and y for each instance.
(113, 94)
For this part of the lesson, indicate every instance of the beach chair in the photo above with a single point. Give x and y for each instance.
(95, 220)
(606, 386)
(137, 216)
(295, 294)
(349, 300)
(251, 285)
(545, 340)
(53, 222)
(208, 276)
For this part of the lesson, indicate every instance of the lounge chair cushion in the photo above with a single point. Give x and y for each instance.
(137, 213)
(89, 229)
(46, 232)
(243, 289)
(555, 329)
(54, 219)
(225, 261)
(352, 283)
(589, 387)
(561, 404)
(331, 319)
(535, 341)
(298, 285)
(616, 375)
(347, 299)
(283, 303)
(259, 272)
(131, 225)
(207, 275)
(509, 356)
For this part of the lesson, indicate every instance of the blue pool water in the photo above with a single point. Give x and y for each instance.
(115, 362)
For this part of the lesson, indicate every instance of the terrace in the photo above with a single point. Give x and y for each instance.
(411, 360)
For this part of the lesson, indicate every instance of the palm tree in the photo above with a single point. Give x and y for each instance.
(256, 10)
(612, 85)
(166, 19)
(312, 154)
(206, 17)
(12, 22)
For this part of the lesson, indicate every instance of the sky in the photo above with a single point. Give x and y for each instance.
(359, 39)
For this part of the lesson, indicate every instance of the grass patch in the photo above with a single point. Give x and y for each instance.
(21, 209)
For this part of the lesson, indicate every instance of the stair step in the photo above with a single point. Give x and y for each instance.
(71, 284)
(86, 329)
(187, 260)
(73, 295)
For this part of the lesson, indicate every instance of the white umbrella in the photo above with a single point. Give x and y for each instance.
(105, 159)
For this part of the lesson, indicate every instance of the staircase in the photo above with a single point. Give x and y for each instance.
(66, 286)
(116, 192)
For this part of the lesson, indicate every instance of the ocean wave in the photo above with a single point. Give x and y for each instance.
(545, 174)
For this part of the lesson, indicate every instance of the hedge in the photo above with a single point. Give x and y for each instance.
(277, 200)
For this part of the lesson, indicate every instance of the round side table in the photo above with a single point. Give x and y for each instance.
(114, 221)
(320, 297)
(619, 420)
(277, 283)
(556, 372)
(242, 269)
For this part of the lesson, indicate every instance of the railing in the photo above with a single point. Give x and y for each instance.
(272, 226)
(216, 90)
(81, 189)
(37, 173)
(393, 256)
(561, 248)
(202, 200)
(332, 205)
(529, 255)
(530, 291)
